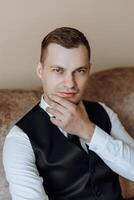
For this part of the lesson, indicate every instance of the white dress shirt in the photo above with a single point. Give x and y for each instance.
(116, 150)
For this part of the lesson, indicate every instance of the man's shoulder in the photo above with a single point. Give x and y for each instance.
(16, 131)
(29, 113)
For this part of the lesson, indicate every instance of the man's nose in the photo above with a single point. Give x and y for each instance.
(69, 81)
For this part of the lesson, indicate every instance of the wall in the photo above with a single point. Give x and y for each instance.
(108, 24)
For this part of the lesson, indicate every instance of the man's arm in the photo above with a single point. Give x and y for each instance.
(117, 150)
(21, 171)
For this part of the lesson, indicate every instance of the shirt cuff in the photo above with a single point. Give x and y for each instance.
(98, 140)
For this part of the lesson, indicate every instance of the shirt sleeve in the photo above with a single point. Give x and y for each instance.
(20, 168)
(117, 149)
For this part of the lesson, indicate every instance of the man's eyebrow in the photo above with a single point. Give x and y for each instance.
(84, 66)
(52, 66)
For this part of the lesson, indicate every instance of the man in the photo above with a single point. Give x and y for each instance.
(66, 148)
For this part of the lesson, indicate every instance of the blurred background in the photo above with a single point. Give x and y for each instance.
(108, 25)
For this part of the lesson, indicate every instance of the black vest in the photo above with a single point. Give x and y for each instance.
(70, 173)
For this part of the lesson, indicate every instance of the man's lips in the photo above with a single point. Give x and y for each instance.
(66, 94)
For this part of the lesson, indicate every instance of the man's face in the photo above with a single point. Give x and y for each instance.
(65, 72)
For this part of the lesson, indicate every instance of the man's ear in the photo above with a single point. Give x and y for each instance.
(39, 70)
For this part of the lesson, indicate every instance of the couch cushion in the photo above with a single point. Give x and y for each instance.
(13, 104)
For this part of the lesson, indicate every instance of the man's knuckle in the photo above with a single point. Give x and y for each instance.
(65, 123)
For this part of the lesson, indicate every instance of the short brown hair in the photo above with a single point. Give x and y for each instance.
(65, 36)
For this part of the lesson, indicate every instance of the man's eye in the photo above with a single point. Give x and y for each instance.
(81, 71)
(58, 70)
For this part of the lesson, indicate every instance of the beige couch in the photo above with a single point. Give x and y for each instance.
(114, 87)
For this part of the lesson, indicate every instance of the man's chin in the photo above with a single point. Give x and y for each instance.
(72, 100)
(76, 98)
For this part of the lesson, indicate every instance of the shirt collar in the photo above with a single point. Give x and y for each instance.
(44, 105)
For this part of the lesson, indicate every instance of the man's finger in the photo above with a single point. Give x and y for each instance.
(55, 121)
(58, 107)
(54, 102)
(55, 113)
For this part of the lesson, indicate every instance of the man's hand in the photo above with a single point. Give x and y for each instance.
(70, 117)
